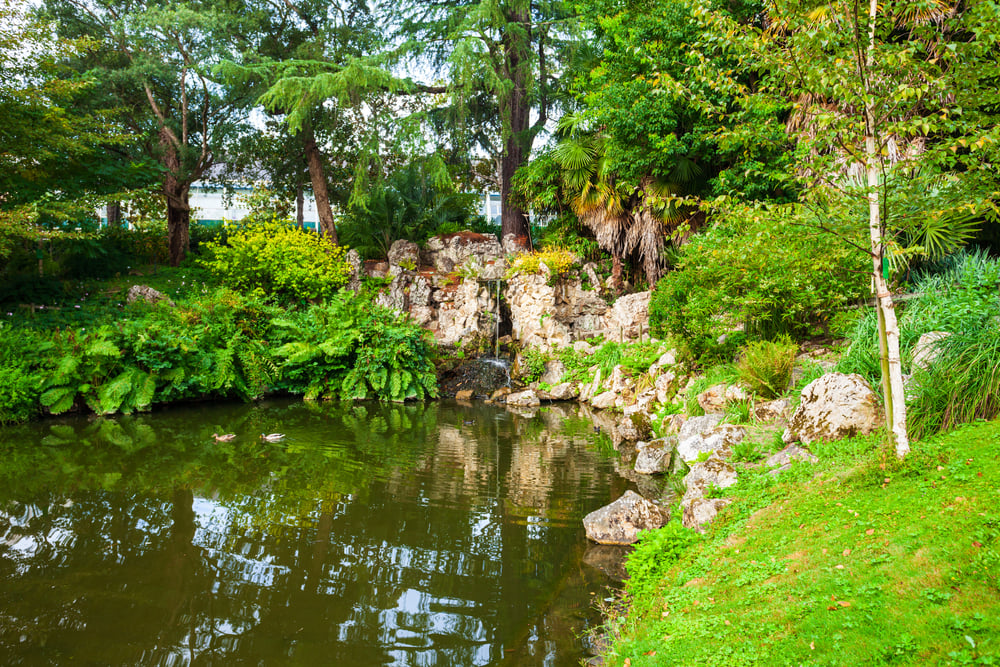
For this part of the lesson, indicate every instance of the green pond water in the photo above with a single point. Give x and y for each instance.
(430, 534)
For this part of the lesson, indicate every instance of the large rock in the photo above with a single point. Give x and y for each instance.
(605, 400)
(926, 349)
(554, 371)
(621, 521)
(547, 313)
(698, 425)
(565, 391)
(783, 459)
(147, 294)
(523, 399)
(634, 427)
(713, 472)
(701, 511)
(719, 439)
(403, 254)
(448, 252)
(713, 399)
(773, 410)
(628, 318)
(656, 456)
(834, 406)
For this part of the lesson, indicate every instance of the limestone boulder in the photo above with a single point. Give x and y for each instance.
(712, 473)
(605, 400)
(523, 399)
(448, 252)
(634, 427)
(404, 255)
(565, 391)
(713, 399)
(783, 459)
(656, 456)
(700, 512)
(357, 267)
(621, 521)
(672, 424)
(147, 294)
(464, 394)
(554, 371)
(832, 407)
(773, 410)
(719, 439)
(628, 317)
(926, 349)
(699, 425)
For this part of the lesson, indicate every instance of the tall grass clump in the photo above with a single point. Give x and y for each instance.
(958, 295)
(766, 366)
(962, 385)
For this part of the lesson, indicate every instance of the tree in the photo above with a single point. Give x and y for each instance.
(511, 52)
(878, 92)
(52, 148)
(155, 59)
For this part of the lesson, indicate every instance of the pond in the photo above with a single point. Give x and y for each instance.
(427, 534)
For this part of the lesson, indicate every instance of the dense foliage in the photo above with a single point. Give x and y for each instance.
(276, 259)
(220, 344)
(761, 270)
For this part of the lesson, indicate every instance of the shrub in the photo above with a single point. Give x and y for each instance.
(766, 366)
(277, 259)
(532, 364)
(18, 383)
(759, 268)
(352, 348)
(559, 261)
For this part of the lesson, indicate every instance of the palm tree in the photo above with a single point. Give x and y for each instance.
(626, 218)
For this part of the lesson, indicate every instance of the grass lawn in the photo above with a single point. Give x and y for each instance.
(854, 560)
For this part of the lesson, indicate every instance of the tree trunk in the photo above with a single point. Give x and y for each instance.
(300, 216)
(178, 225)
(178, 207)
(517, 106)
(892, 367)
(114, 213)
(327, 224)
(616, 273)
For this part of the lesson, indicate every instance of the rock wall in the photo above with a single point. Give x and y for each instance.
(450, 287)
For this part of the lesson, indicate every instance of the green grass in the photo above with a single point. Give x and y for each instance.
(854, 560)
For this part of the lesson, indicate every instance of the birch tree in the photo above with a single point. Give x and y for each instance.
(877, 90)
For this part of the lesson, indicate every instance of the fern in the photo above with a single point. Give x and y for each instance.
(58, 399)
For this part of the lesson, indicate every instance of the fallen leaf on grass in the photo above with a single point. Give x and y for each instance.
(844, 603)
(650, 653)
(870, 531)
(978, 545)
(847, 552)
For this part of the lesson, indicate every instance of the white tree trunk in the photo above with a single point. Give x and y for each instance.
(892, 367)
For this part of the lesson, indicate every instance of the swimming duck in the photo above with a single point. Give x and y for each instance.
(272, 437)
(224, 438)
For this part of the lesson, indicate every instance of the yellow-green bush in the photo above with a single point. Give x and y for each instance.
(274, 258)
(559, 261)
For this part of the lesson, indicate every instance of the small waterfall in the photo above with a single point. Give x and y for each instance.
(499, 364)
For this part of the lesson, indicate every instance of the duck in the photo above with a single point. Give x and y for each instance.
(272, 437)
(223, 438)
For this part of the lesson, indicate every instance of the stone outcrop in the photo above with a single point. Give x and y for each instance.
(701, 511)
(656, 456)
(699, 425)
(832, 407)
(621, 521)
(926, 349)
(147, 294)
(713, 474)
(479, 253)
(552, 315)
(628, 318)
(719, 439)
(524, 399)
(782, 460)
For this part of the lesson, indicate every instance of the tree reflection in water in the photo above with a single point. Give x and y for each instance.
(372, 535)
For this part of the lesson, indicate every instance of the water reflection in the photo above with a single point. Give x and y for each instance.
(373, 535)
